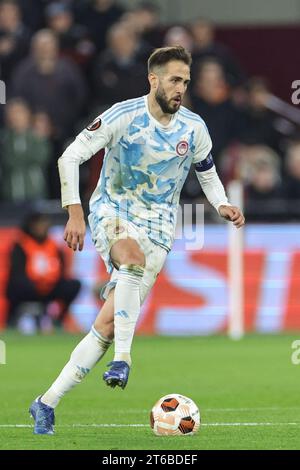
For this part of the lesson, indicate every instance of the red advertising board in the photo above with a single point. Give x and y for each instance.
(190, 296)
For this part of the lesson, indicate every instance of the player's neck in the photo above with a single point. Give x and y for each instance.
(156, 111)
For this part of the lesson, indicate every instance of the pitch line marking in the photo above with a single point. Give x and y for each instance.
(262, 408)
(106, 425)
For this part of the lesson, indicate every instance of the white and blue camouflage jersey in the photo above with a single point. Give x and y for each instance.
(145, 164)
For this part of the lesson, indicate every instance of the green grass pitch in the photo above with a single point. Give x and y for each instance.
(247, 392)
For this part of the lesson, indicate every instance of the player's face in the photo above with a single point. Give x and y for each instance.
(172, 85)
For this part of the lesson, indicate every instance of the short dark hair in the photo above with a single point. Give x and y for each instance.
(163, 55)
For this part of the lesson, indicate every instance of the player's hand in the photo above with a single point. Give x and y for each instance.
(75, 229)
(234, 214)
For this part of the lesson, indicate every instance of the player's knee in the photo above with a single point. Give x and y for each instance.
(127, 252)
(131, 255)
(138, 259)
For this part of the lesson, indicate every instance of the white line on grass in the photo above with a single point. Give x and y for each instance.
(250, 424)
(104, 425)
(262, 408)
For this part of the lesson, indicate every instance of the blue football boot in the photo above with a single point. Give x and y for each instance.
(43, 416)
(117, 374)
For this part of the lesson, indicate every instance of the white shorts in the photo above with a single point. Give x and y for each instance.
(107, 231)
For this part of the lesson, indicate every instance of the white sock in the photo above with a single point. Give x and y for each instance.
(127, 309)
(84, 357)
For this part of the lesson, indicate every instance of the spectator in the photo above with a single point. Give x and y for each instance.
(292, 177)
(14, 38)
(210, 98)
(37, 270)
(24, 156)
(263, 174)
(33, 13)
(51, 84)
(205, 46)
(259, 168)
(144, 18)
(43, 127)
(119, 72)
(178, 36)
(98, 16)
(73, 38)
(261, 125)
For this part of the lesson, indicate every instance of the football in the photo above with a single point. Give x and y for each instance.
(175, 415)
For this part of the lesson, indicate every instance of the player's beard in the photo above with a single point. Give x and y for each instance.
(164, 103)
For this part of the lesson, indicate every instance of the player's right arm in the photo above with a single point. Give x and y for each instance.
(75, 228)
(95, 137)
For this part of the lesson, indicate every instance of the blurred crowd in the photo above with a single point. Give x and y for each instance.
(64, 62)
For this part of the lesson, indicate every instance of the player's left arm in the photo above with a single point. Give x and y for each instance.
(232, 213)
(211, 184)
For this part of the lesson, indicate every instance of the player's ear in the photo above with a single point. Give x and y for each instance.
(153, 80)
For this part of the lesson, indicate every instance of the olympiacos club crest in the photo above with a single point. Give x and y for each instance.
(182, 148)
